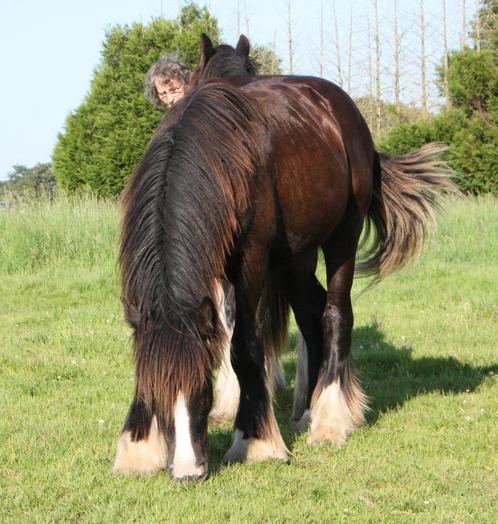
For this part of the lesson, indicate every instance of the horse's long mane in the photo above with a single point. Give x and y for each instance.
(181, 214)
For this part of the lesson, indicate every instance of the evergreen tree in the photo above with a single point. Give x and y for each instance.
(266, 61)
(473, 79)
(105, 137)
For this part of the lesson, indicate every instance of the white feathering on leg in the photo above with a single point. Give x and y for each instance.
(142, 456)
(334, 417)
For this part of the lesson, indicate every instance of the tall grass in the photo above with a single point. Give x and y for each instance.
(66, 230)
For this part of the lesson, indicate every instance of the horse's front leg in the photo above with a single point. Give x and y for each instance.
(142, 445)
(257, 436)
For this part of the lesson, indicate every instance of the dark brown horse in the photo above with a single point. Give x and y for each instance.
(245, 180)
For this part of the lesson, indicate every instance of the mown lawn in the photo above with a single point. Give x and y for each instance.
(425, 344)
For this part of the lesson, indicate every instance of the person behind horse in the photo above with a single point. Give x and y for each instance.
(165, 81)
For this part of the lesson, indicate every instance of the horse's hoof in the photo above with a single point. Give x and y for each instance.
(255, 450)
(302, 424)
(322, 436)
(198, 475)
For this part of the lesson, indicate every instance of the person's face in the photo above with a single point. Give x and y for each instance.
(170, 91)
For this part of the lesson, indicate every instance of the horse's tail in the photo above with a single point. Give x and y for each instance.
(273, 318)
(405, 197)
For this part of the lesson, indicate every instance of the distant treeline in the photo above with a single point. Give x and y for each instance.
(106, 135)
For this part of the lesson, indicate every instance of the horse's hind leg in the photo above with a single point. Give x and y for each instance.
(338, 403)
(141, 445)
(226, 389)
(307, 299)
(257, 436)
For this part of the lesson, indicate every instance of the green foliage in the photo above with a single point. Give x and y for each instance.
(390, 114)
(105, 137)
(488, 23)
(474, 155)
(267, 62)
(24, 181)
(406, 137)
(472, 79)
(472, 151)
(470, 125)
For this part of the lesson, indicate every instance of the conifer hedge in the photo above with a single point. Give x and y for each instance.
(105, 137)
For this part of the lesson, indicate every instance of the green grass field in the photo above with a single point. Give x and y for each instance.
(425, 344)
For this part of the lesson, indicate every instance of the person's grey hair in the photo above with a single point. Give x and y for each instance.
(168, 67)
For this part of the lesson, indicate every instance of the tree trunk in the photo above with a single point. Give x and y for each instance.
(322, 50)
(289, 32)
(397, 61)
(445, 57)
(378, 101)
(423, 61)
(340, 80)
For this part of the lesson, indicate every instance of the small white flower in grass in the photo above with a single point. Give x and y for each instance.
(101, 423)
(468, 419)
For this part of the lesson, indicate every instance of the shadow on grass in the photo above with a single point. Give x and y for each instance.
(389, 374)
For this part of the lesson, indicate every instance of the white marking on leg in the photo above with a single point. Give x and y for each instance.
(141, 456)
(226, 389)
(334, 417)
(184, 460)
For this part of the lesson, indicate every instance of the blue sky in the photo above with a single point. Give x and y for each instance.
(49, 49)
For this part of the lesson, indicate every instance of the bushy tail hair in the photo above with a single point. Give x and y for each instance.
(402, 211)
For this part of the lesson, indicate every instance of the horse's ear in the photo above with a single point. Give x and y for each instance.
(207, 50)
(132, 315)
(243, 46)
(207, 318)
